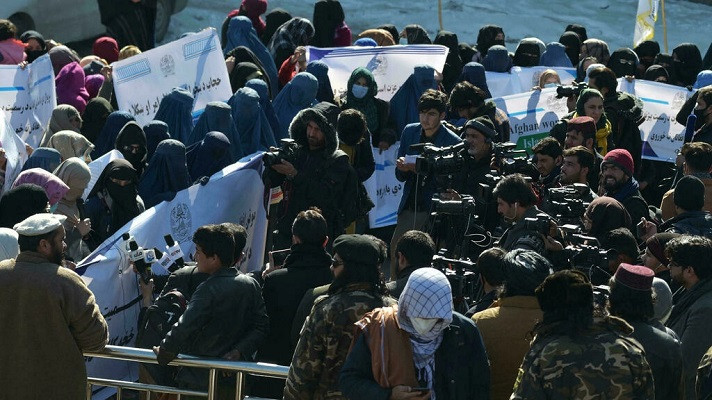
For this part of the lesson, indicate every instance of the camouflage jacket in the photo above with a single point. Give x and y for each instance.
(602, 363)
(325, 340)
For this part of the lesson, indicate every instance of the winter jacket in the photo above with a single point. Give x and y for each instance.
(663, 354)
(225, 313)
(325, 340)
(667, 205)
(519, 237)
(461, 368)
(697, 223)
(625, 113)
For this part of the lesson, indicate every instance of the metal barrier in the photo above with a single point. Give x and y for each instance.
(147, 356)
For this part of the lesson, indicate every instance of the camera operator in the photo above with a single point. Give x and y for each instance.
(415, 250)
(316, 174)
(490, 265)
(582, 132)
(547, 158)
(515, 202)
(578, 162)
(414, 207)
(469, 102)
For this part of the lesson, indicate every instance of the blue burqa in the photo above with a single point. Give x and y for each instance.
(166, 174)
(43, 157)
(298, 94)
(404, 104)
(217, 117)
(176, 111)
(474, 73)
(321, 71)
(208, 156)
(240, 32)
(156, 132)
(251, 123)
(260, 86)
(555, 56)
(107, 137)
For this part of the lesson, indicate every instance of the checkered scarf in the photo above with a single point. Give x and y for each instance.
(427, 294)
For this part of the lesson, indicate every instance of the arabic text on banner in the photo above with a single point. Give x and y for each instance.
(15, 153)
(195, 63)
(27, 96)
(235, 194)
(384, 189)
(390, 65)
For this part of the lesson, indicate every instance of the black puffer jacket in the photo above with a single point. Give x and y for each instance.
(691, 223)
(324, 179)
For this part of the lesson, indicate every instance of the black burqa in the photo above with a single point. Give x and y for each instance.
(273, 20)
(124, 206)
(416, 34)
(487, 37)
(238, 77)
(453, 62)
(580, 30)
(687, 65)
(131, 142)
(572, 42)
(328, 15)
(94, 117)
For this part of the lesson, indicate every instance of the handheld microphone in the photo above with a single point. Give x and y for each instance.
(163, 263)
(174, 250)
(126, 236)
(137, 255)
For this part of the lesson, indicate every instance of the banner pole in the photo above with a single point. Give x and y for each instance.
(440, 14)
(665, 41)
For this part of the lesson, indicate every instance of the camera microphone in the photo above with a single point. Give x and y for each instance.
(137, 255)
(174, 250)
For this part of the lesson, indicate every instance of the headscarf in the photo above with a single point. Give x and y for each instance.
(656, 71)
(486, 38)
(321, 72)
(328, 15)
(61, 56)
(273, 20)
(555, 56)
(53, 186)
(241, 33)
(623, 62)
(606, 214)
(32, 55)
(71, 144)
(166, 175)
(656, 245)
(208, 156)
(20, 202)
(704, 78)
(404, 103)
(474, 73)
(596, 48)
(381, 36)
(253, 129)
(9, 248)
(416, 34)
(688, 64)
(467, 52)
(156, 132)
(106, 141)
(601, 132)
(527, 53)
(124, 205)
(176, 111)
(75, 173)
(580, 30)
(92, 84)
(132, 134)
(427, 294)
(106, 48)
(365, 42)
(497, 59)
(546, 74)
(572, 42)
(252, 9)
(43, 157)
(367, 104)
(392, 30)
(453, 63)
(218, 117)
(298, 94)
(242, 73)
(259, 86)
(95, 115)
(70, 86)
(60, 122)
(646, 52)
(238, 77)
(292, 34)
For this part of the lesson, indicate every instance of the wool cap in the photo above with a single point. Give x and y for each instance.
(39, 224)
(483, 125)
(620, 158)
(357, 249)
(689, 193)
(636, 277)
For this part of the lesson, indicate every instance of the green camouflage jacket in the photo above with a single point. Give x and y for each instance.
(603, 363)
(325, 340)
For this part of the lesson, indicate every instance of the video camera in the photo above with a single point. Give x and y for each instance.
(465, 206)
(462, 275)
(286, 151)
(585, 253)
(439, 160)
(570, 90)
(541, 224)
(566, 203)
(512, 161)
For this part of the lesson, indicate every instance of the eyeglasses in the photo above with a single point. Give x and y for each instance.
(335, 263)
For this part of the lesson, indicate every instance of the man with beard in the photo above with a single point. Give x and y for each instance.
(578, 161)
(618, 182)
(49, 317)
(691, 317)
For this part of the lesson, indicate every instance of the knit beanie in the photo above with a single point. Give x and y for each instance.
(689, 193)
(656, 245)
(483, 125)
(620, 158)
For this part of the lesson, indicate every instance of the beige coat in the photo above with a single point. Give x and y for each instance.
(48, 317)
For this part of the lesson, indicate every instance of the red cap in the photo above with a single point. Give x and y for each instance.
(635, 277)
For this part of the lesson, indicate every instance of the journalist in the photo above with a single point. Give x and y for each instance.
(582, 132)
(516, 202)
(577, 164)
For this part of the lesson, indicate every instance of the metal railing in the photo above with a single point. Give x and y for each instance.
(213, 365)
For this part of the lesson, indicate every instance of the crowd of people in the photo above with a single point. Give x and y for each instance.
(634, 326)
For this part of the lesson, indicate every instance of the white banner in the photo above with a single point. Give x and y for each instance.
(27, 96)
(390, 65)
(662, 135)
(384, 189)
(645, 19)
(521, 80)
(235, 194)
(96, 167)
(532, 115)
(15, 153)
(195, 63)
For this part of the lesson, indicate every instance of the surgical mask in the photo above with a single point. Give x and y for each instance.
(53, 207)
(359, 91)
(550, 85)
(423, 325)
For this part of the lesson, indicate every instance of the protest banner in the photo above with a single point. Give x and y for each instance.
(235, 194)
(532, 115)
(662, 135)
(384, 189)
(27, 96)
(14, 150)
(194, 62)
(523, 79)
(390, 65)
(97, 166)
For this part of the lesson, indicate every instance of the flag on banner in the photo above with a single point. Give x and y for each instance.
(645, 21)
(235, 194)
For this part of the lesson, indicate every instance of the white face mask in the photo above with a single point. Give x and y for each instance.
(423, 325)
